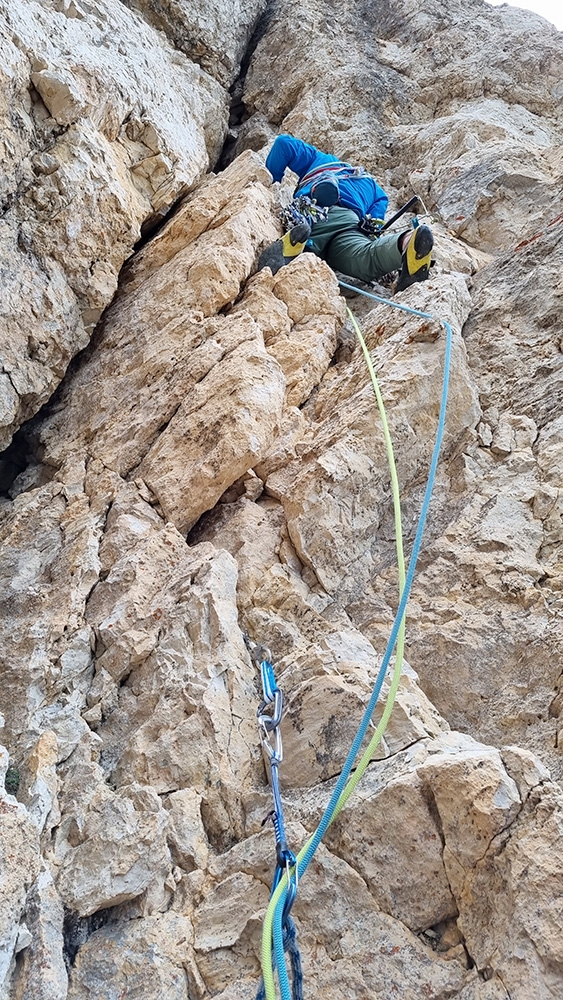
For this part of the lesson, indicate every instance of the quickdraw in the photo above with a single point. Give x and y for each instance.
(269, 716)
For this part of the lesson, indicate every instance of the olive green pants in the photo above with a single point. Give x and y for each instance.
(347, 249)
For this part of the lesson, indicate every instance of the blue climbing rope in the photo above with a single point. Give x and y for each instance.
(307, 852)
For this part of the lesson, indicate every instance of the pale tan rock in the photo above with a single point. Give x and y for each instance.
(61, 95)
(381, 847)
(486, 802)
(229, 918)
(523, 943)
(194, 216)
(19, 866)
(147, 957)
(450, 253)
(186, 834)
(325, 709)
(327, 680)
(414, 716)
(334, 956)
(243, 397)
(292, 434)
(121, 847)
(41, 973)
(493, 989)
(114, 624)
(525, 769)
(510, 517)
(160, 385)
(300, 312)
(485, 831)
(346, 456)
(41, 797)
(212, 34)
(48, 565)
(174, 680)
(252, 533)
(120, 153)
(472, 155)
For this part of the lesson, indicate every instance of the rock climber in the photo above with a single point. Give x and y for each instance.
(332, 201)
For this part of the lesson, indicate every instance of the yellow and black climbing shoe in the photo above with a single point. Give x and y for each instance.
(284, 250)
(416, 259)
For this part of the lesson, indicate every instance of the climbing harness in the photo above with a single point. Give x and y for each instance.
(304, 207)
(304, 210)
(323, 181)
(269, 716)
(273, 929)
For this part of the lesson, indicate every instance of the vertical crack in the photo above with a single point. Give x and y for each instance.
(240, 113)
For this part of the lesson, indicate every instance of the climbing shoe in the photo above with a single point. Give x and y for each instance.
(416, 259)
(285, 249)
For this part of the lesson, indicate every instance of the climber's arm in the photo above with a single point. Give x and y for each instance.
(299, 156)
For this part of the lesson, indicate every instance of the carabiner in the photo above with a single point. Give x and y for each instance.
(271, 721)
(275, 750)
(292, 885)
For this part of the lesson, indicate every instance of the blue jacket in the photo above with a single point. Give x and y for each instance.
(362, 194)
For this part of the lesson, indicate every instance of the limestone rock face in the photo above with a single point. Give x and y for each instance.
(212, 474)
(143, 958)
(112, 851)
(47, 582)
(19, 865)
(40, 973)
(513, 518)
(211, 33)
(104, 126)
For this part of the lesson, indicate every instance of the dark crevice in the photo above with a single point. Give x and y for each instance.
(22, 454)
(374, 761)
(25, 449)
(154, 223)
(77, 930)
(428, 795)
(504, 986)
(240, 113)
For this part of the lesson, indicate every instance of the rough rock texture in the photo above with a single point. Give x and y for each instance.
(103, 126)
(19, 865)
(211, 33)
(512, 514)
(40, 972)
(213, 465)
